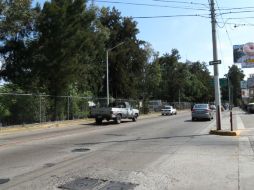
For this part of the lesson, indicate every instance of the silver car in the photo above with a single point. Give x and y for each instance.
(202, 111)
(168, 110)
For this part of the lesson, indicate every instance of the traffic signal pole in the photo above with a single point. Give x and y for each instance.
(216, 69)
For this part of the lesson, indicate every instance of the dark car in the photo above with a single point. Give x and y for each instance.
(202, 111)
(250, 107)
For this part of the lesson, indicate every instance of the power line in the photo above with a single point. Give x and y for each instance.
(223, 61)
(152, 5)
(184, 7)
(224, 24)
(236, 12)
(171, 16)
(238, 18)
(238, 24)
(182, 2)
(236, 8)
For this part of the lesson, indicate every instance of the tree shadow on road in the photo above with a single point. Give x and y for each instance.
(140, 139)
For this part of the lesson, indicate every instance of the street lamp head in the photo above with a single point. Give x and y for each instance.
(121, 43)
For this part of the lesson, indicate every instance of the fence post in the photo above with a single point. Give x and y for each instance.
(68, 109)
(40, 107)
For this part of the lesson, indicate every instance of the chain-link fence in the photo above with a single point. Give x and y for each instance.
(157, 105)
(32, 108)
(20, 109)
(16, 109)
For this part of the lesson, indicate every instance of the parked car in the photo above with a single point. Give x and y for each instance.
(213, 107)
(115, 111)
(250, 107)
(202, 111)
(168, 110)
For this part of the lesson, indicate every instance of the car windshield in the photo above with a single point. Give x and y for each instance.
(117, 105)
(168, 107)
(201, 106)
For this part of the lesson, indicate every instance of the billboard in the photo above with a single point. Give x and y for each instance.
(244, 54)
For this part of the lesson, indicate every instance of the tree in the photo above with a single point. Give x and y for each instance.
(172, 76)
(235, 75)
(201, 90)
(126, 62)
(68, 47)
(151, 75)
(17, 21)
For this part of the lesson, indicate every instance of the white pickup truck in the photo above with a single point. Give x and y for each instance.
(115, 111)
(168, 110)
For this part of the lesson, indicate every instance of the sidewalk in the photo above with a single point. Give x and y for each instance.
(204, 162)
(245, 154)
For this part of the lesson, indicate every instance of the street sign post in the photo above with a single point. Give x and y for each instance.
(215, 62)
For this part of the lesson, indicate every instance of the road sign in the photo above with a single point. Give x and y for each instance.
(214, 62)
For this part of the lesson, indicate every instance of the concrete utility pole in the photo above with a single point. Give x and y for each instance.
(216, 69)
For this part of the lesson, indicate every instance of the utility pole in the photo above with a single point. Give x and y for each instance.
(179, 98)
(216, 69)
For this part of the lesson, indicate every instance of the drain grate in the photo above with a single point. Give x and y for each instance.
(100, 184)
(2, 181)
(81, 150)
(114, 185)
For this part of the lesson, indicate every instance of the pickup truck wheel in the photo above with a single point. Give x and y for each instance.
(118, 119)
(135, 118)
(98, 121)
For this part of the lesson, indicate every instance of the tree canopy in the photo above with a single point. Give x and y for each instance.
(60, 49)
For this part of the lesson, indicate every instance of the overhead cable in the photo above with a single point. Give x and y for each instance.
(152, 5)
(172, 16)
(181, 2)
(223, 23)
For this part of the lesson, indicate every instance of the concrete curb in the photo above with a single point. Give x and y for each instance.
(37, 126)
(224, 133)
(56, 124)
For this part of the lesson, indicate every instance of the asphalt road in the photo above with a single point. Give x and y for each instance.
(152, 153)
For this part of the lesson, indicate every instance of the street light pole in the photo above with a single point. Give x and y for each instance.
(107, 52)
(107, 79)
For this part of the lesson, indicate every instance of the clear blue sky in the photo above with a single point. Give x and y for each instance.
(191, 35)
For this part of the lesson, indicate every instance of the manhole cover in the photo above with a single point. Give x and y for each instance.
(81, 150)
(82, 184)
(2, 181)
(114, 185)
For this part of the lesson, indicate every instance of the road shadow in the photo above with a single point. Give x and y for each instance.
(140, 139)
(200, 120)
(106, 123)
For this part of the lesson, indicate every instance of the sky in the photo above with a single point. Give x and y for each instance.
(191, 35)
